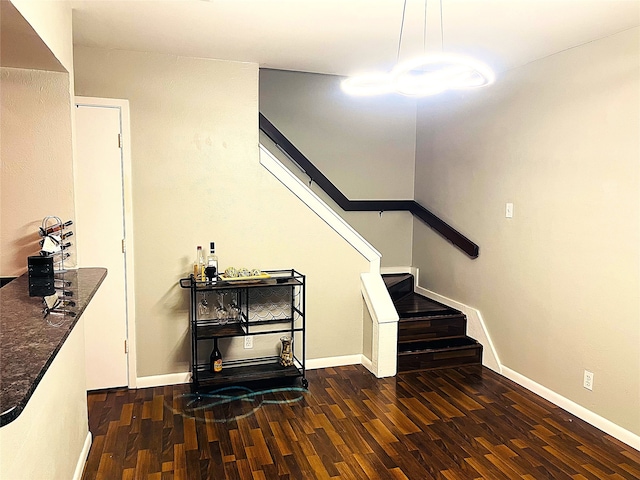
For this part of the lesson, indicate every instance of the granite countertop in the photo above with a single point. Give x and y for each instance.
(29, 342)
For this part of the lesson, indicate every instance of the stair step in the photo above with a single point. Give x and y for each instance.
(398, 284)
(416, 305)
(441, 353)
(430, 328)
(430, 335)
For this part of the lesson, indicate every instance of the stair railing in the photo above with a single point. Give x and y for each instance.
(316, 176)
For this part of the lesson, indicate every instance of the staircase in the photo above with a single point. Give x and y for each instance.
(430, 334)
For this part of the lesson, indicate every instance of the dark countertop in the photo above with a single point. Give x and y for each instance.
(28, 342)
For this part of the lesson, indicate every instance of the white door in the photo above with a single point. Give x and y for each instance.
(100, 234)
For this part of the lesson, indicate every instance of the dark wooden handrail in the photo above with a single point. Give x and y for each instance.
(443, 228)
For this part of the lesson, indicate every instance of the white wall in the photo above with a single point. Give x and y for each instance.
(363, 145)
(558, 283)
(196, 178)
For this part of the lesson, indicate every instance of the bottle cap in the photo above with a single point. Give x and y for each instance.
(213, 246)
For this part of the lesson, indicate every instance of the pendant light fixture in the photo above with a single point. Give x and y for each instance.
(426, 75)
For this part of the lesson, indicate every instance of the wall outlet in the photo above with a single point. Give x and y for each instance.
(508, 210)
(588, 380)
(248, 341)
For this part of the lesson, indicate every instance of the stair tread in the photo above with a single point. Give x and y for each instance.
(428, 316)
(438, 344)
(391, 279)
(399, 285)
(414, 304)
(406, 342)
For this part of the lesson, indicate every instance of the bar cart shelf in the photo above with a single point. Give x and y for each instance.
(225, 308)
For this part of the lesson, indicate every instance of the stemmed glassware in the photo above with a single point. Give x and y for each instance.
(221, 313)
(203, 307)
(233, 309)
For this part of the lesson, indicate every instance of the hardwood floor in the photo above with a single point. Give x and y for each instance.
(462, 423)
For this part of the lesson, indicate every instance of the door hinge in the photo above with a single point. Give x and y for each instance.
(126, 347)
(124, 246)
(119, 140)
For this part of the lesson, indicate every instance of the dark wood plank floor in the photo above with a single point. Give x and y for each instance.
(462, 423)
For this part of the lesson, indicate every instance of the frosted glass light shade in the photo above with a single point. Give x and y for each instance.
(433, 74)
(423, 76)
(369, 84)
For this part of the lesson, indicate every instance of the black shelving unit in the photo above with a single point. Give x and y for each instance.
(268, 306)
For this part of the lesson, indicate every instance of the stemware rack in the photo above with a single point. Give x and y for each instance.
(54, 242)
(265, 308)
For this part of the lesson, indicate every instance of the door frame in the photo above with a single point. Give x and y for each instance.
(127, 207)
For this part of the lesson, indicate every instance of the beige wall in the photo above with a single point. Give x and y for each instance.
(364, 145)
(196, 177)
(47, 440)
(558, 283)
(51, 19)
(36, 131)
(36, 153)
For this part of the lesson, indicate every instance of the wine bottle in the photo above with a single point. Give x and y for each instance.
(211, 269)
(216, 358)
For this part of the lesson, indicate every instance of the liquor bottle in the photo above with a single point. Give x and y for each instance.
(211, 269)
(216, 358)
(198, 265)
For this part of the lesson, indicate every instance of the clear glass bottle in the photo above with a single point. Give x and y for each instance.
(198, 266)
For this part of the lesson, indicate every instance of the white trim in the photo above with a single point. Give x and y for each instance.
(123, 106)
(476, 327)
(82, 459)
(320, 208)
(185, 377)
(367, 363)
(162, 380)
(377, 298)
(384, 318)
(128, 254)
(329, 362)
(570, 406)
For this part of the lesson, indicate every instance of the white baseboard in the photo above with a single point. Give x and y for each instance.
(367, 363)
(579, 411)
(185, 377)
(82, 459)
(328, 362)
(162, 380)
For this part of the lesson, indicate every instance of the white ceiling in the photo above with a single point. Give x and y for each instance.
(348, 36)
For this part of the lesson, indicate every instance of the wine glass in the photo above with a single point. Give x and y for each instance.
(203, 307)
(233, 308)
(221, 312)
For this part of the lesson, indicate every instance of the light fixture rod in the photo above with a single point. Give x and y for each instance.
(425, 75)
(404, 9)
(424, 30)
(441, 30)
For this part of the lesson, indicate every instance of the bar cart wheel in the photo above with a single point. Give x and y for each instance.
(305, 383)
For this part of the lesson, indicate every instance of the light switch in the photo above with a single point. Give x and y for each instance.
(509, 210)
